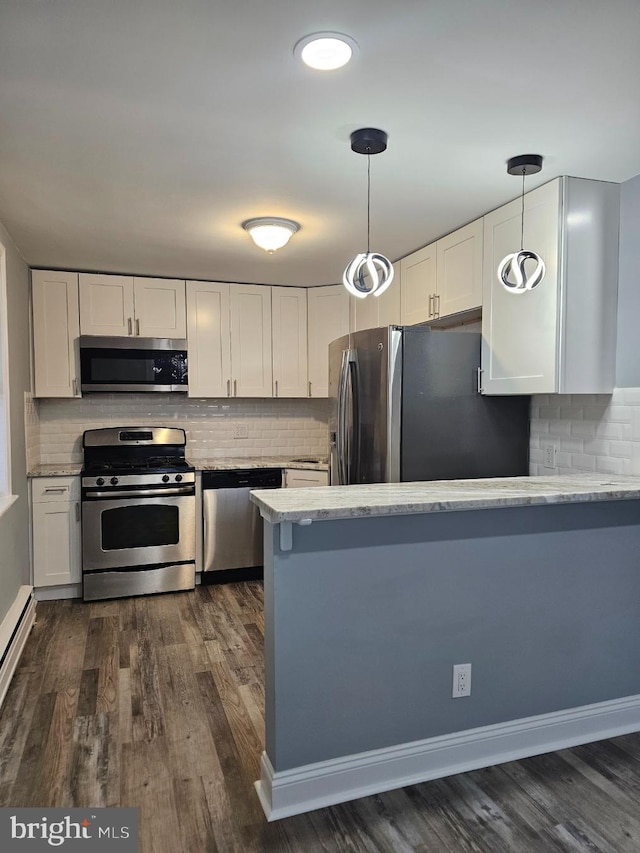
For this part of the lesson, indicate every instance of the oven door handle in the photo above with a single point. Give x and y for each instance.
(143, 493)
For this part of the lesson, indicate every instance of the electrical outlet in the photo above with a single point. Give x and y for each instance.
(461, 680)
(549, 455)
(240, 431)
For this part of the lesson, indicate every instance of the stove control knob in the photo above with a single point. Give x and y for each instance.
(100, 481)
(165, 478)
(178, 478)
(114, 481)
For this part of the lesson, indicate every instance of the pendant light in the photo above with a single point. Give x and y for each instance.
(511, 269)
(368, 140)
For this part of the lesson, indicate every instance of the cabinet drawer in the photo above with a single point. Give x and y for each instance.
(302, 479)
(45, 489)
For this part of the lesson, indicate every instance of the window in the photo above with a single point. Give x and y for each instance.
(5, 455)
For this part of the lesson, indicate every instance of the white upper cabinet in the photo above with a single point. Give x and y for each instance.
(289, 337)
(159, 307)
(55, 333)
(121, 306)
(560, 336)
(459, 270)
(106, 305)
(251, 340)
(418, 286)
(328, 319)
(375, 311)
(208, 339)
(444, 278)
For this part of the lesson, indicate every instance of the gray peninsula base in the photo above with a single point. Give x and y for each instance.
(366, 617)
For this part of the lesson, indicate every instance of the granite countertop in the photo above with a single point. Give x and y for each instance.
(220, 464)
(69, 469)
(334, 502)
(313, 463)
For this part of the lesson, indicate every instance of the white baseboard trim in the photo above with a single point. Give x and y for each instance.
(314, 786)
(14, 631)
(55, 593)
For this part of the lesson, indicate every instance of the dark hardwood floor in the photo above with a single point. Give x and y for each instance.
(157, 702)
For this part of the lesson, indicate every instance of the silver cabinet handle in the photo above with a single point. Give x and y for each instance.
(74, 387)
(310, 388)
(55, 489)
(228, 387)
(138, 327)
(235, 387)
(77, 511)
(437, 301)
(479, 379)
(129, 329)
(276, 387)
(430, 305)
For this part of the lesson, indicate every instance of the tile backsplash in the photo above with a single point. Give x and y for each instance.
(277, 427)
(598, 433)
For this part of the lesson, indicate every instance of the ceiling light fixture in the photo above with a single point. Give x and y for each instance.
(270, 232)
(376, 267)
(512, 273)
(325, 51)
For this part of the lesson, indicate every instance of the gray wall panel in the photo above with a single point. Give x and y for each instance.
(370, 615)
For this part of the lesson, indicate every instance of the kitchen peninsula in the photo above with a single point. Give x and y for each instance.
(373, 593)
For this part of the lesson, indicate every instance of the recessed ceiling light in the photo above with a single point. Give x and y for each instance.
(325, 51)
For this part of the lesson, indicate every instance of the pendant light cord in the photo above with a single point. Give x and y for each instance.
(368, 201)
(524, 172)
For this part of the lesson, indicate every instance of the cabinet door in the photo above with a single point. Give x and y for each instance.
(328, 319)
(56, 328)
(160, 310)
(251, 340)
(520, 342)
(56, 543)
(208, 339)
(106, 305)
(459, 270)
(418, 285)
(289, 339)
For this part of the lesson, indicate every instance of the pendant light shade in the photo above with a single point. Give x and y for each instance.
(270, 232)
(369, 272)
(520, 272)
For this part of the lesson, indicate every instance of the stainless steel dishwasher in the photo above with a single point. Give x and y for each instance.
(233, 546)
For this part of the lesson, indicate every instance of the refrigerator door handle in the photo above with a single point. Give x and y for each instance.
(354, 436)
(342, 419)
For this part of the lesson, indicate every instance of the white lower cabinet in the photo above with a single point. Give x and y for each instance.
(56, 531)
(296, 478)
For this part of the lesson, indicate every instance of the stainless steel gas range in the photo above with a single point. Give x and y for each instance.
(138, 512)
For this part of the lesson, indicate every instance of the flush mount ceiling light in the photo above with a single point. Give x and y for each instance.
(522, 271)
(270, 232)
(376, 267)
(325, 51)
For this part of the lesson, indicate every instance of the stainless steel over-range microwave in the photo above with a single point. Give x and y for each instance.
(133, 364)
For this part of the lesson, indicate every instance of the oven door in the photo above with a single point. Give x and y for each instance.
(123, 532)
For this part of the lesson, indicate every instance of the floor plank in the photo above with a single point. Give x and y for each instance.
(158, 703)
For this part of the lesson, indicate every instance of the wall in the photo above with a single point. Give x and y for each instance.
(278, 427)
(14, 524)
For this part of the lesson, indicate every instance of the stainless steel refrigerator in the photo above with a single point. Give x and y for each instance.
(405, 406)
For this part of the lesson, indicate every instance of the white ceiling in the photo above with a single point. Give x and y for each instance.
(136, 135)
